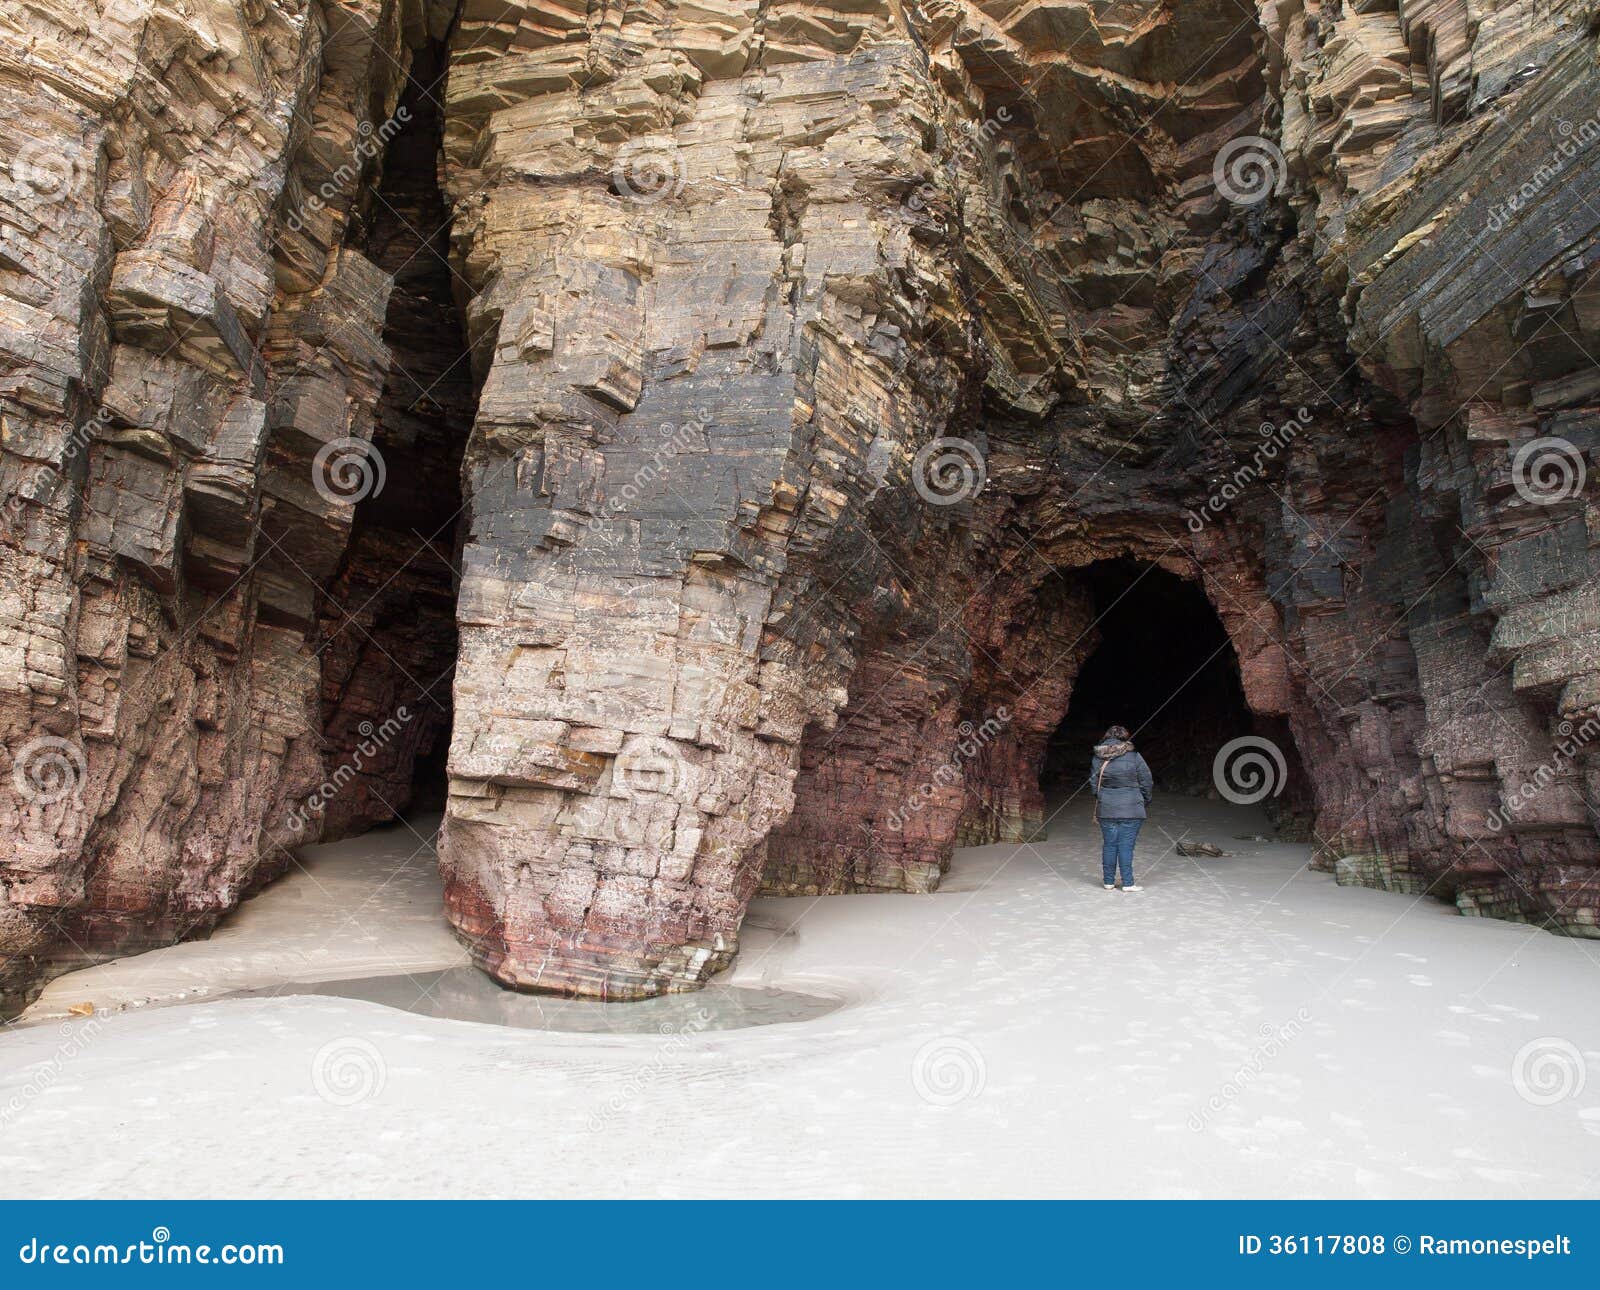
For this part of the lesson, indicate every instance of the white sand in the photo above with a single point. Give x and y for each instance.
(366, 907)
(1020, 1033)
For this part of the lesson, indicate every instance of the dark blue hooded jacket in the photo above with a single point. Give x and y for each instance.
(1126, 788)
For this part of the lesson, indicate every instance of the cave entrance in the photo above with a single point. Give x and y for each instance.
(1164, 668)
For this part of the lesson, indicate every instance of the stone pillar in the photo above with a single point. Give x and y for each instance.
(707, 342)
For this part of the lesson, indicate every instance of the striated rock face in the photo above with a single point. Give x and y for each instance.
(189, 316)
(809, 383)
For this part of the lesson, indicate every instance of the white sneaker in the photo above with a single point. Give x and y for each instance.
(1135, 887)
(1111, 886)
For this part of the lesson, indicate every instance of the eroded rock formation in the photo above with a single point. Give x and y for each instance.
(187, 318)
(792, 367)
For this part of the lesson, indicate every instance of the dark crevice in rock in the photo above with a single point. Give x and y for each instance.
(388, 617)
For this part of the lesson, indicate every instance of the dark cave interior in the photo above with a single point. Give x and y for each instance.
(1163, 667)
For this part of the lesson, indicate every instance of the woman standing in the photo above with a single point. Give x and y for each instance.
(1122, 786)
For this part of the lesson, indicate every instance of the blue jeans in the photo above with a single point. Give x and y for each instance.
(1117, 849)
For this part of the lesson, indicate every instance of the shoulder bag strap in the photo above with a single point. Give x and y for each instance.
(1099, 782)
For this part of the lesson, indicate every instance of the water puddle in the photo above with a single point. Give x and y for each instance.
(466, 994)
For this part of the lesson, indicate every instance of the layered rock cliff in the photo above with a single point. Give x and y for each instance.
(195, 345)
(716, 419)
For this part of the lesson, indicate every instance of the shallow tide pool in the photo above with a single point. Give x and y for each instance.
(466, 994)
